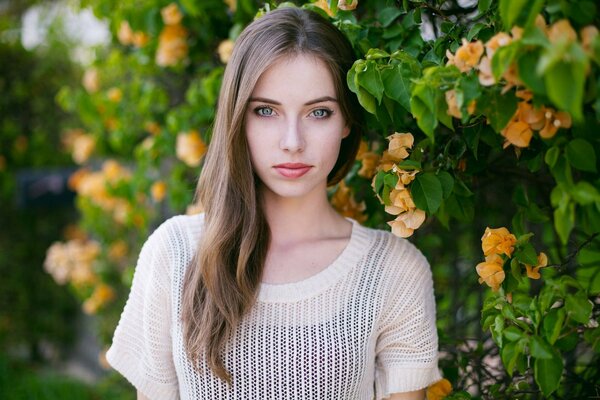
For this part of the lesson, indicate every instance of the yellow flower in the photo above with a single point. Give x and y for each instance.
(399, 143)
(439, 390)
(91, 80)
(140, 39)
(72, 261)
(369, 163)
(190, 148)
(342, 5)
(225, 49)
(102, 294)
(152, 127)
(125, 33)
(517, 133)
(114, 94)
(534, 272)
(343, 201)
(322, 4)
(405, 223)
(83, 147)
(532, 116)
(172, 45)
(404, 177)
(497, 241)
(158, 190)
(113, 171)
(491, 272)
(171, 14)
(467, 56)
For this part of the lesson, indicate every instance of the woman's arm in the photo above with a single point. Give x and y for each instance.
(140, 396)
(416, 395)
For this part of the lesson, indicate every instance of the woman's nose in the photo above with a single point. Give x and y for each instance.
(292, 138)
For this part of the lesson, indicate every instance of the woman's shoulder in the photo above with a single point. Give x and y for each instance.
(396, 257)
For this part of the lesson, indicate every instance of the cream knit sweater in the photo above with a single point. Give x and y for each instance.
(362, 328)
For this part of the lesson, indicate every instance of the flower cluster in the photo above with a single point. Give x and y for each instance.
(128, 36)
(96, 186)
(72, 262)
(342, 5)
(101, 295)
(498, 246)
(172, 40)
(343, 201)
(80, 144)
(190, 148)
(527, 118)
(401, 204)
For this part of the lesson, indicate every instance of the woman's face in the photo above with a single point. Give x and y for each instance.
(294, 126)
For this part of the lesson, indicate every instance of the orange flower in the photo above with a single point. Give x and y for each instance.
(588, 35)
(343, 201)
(152, 127)
(553, 121)
(172, 45)
(102, 294)
(534, 272)
(171, 14)
(140, 39)
(91, 80)
(532, 116)
(114, 94)
(190, 148)
(158, 191)
(83, 147)
(453, 109)
(497, 241)
(491, 271)
(467, 56)
(497, 41)
(342, 5)
(322, 4)
(405, 223)
(401, 201)
(517, 133)
(399, 143)
(561, 31)
(225, 49)
(404, 177)
(369, 163)
(117, 250)
(486, 78)
(125, 33)
(439, 390)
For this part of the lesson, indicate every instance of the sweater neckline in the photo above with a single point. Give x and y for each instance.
(319, 282)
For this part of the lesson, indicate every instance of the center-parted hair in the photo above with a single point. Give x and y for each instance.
(223, 278)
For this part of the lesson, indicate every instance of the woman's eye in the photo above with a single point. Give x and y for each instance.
(263, 111)
(321, 113)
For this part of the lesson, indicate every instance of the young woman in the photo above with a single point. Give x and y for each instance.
(270, 294)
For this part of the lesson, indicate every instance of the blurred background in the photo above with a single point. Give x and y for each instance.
(105, 114)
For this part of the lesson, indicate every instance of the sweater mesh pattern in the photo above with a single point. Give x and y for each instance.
(362, 328)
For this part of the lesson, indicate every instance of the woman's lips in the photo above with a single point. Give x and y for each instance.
(292, 170)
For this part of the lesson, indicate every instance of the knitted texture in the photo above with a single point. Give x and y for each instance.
(362, 328)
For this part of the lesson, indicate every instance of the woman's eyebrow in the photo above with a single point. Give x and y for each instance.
(308, 103)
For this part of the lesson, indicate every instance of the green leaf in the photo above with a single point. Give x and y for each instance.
(512, 333)
(502, 59)
(475, 30)
(409, 165)
(460, 207)
(551, 156)
(579, 307)
(584, 193)
(397, 82)
(565, 81)
(498, 108)
(379, 181)
(388, 15)
(447, 182)
(390, 180)
(564, 221)
(516, 270)
(427, 192)
(510, 353)
(553, 323)
(581, 155)
(548, 372)
(370, 79)
(527, 64)
(376, 54)
(510, 10)
(366, 100)
(483, 5)
(526, 254)
(540, 348)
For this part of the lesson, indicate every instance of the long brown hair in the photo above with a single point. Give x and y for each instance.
(223, 278)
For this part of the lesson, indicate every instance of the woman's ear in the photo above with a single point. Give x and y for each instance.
(345, 131)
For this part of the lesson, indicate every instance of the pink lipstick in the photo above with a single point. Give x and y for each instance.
(292, 170)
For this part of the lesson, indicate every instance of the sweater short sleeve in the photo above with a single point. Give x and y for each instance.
(407, 344)
(142, 348)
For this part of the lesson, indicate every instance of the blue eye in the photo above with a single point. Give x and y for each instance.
(322, 113)
(263, 111)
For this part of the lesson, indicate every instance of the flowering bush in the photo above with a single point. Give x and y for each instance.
(491, 121)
